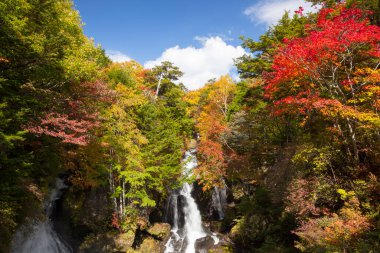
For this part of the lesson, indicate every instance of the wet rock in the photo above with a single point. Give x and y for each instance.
(204, 201)
(82, 213)
(207, 245)
(203, 244)
(176, 246)
(219, 202)
(90, 208)
(181, 202)
(212, 203)
(175, 202)
(160, 231)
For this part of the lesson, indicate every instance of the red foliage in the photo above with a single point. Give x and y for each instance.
(212, 127)
(212, 165)
(339, 33)
(299, 11)
(71, 119)
(303, 103)
(98, 91)
(301, 199)
(74, 131)
(115, 221)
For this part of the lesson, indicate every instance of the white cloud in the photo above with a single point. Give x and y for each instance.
(213, 59)
(270, 11)
(117, 56)
(202, 39)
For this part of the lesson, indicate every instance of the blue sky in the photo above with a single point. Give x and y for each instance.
(199, 36)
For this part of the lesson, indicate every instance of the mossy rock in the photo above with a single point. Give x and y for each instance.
(223, 249)
(109, 242)
(124, 241)
(160, 231)
(150, 245)
(97, 244)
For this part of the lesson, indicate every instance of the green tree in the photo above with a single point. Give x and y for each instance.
(44, 58)
(165, 74)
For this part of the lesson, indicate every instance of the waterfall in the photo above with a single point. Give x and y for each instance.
(40, 237)
(219, 201)
(183, 214)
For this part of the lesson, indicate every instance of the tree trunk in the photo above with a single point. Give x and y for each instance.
(112, 184)
(158, 85)
(121, 206)
(353, 140)
(123, 194)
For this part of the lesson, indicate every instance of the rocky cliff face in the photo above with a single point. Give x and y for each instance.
(84, 220)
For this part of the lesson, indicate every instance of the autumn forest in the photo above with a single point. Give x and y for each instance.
(286, 157)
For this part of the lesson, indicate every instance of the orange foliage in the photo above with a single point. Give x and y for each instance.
(211, 123)
(337, 232)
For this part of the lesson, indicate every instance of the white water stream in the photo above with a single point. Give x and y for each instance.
(40, 237)
(219, 200)
(185, 235)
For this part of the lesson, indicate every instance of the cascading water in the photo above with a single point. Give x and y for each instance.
(41, 237)
(184, 215)
(219, 201)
